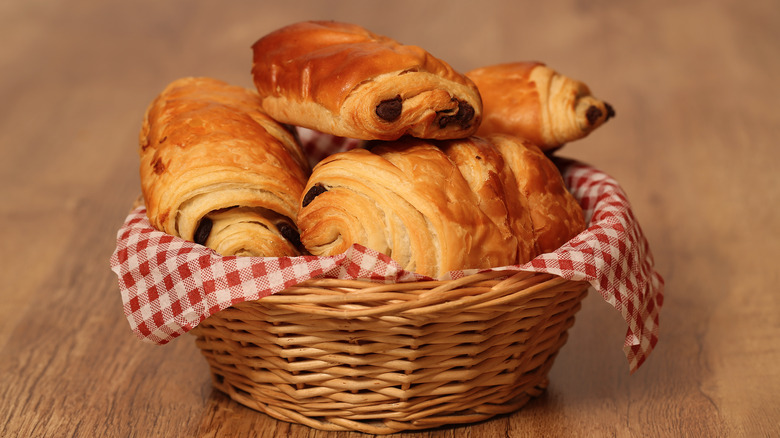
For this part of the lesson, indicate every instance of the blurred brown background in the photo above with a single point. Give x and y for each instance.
(693, 144)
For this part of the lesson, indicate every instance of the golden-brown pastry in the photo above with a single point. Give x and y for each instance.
(344, 80)
(407, 199)
(556, 217)
(218, 171)
(533, 101)
(438, 206)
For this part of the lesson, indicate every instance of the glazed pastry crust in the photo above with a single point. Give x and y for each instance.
(206, 147)
(344, 80)
(492, 179)
(556, 217)
(533, 101)
(438, 206)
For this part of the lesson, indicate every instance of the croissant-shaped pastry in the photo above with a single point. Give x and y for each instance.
(533, 101)
(343, 80)
(436, 206)
(218, 171)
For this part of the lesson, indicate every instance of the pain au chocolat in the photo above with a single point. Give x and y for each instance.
(533, 101)
(344, 80)
(218, 171)
(437, 206)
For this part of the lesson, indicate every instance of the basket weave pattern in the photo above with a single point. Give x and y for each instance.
(382, 358)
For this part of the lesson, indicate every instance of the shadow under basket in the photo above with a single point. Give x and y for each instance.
(352, 355)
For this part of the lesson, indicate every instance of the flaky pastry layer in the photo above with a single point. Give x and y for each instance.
(438, 206)
(205, 148)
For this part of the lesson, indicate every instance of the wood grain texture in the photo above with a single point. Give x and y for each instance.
(693, 144)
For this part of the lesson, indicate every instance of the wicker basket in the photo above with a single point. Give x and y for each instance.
(378, 358)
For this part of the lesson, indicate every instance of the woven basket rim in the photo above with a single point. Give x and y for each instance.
(355, 298)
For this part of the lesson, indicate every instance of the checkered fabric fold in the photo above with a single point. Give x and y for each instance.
(169, 285)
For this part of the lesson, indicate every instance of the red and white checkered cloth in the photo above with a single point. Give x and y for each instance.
(170, 285)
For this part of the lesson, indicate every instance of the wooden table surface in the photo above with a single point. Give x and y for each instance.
(694, 145)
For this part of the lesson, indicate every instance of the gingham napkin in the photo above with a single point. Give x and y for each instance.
(170, 285)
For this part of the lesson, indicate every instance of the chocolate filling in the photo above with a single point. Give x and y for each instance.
(203, 231)
(390, 109)
(610, 111)
(593, 114)
(463, 117)
(289, 233)
(313, 192)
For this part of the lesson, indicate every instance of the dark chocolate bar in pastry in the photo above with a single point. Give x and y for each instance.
(533, 101)
(218, 171)
(344, 80)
